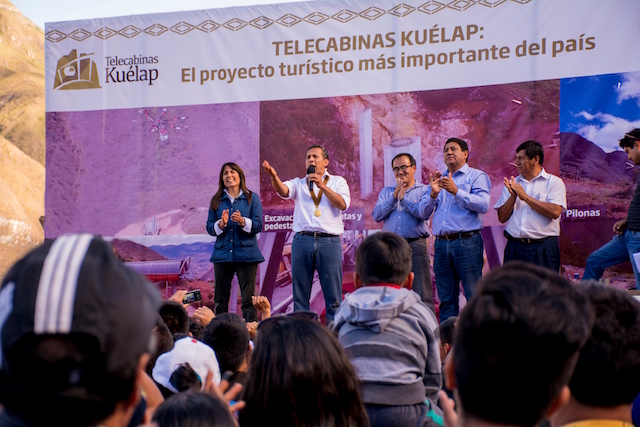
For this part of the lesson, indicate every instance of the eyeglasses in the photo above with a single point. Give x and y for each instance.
(297, 315)
(402, 168)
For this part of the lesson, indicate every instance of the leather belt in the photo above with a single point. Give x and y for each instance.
(525, 240)
(316, 234)
(414, 239)
(460, 235)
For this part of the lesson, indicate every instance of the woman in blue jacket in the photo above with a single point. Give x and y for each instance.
(235, 217)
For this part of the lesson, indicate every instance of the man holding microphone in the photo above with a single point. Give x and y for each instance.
(319, 199)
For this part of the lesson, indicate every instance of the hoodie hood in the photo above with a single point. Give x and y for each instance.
(374, 307)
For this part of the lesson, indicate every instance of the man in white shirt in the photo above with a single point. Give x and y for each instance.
(532, 204)
(317, 224)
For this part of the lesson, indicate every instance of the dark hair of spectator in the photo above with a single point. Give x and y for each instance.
(300, 376)
(215, 200)
(412, 161)
(448, 330)
(463, 145)
(52, 376)
(630, 138)
(179, 335)
(608, 370)
(383, 258)
(517, 342)
(196, 329)
(228, 336)
(185, 378)
(532, 149)
(325, 153)
(193, 409)
(174, 316)
(164, 343)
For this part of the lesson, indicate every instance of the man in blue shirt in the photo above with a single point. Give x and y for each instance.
(458, 198)
(403, 209)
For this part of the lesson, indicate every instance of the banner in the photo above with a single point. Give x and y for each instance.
(142, 111)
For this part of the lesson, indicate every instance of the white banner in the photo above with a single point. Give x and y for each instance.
(332, 48)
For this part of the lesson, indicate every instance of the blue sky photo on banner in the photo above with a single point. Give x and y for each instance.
(142, 111)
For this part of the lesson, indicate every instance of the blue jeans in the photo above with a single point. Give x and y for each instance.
(324, 254)
(621, 248)
(420, 269)
(455, 261)
(421, 415)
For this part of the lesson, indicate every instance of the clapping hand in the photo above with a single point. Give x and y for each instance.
(448, 184)
(225, 218)
(401, 186)
(516, 188)
(434, 180)
(236, 217)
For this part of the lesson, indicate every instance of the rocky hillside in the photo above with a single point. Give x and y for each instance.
(22, 131)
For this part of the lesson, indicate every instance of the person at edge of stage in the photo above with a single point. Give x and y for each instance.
(626, 240)
(235, 218)
(403, 209)
(531, 205)
(319, 199)
(458, 198)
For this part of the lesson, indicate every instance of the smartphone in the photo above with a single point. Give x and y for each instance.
(192, 296)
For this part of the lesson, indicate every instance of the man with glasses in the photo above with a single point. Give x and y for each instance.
(458, 198)
(626, 242)
(532, 204)
(403, 210)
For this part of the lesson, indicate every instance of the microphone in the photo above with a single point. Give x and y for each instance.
(311, 169)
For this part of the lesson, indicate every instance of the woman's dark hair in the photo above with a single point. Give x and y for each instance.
(301, 376)
(215, 200)
(193, 409)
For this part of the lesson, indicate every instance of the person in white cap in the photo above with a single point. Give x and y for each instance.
(185, 367)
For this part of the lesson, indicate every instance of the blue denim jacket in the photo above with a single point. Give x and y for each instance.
(234, 244)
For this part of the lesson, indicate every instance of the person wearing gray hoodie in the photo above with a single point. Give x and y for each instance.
(391, 336)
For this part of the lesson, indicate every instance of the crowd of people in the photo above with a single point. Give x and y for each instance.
(86, 341)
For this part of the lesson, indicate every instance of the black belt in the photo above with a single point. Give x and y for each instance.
(460, 235)
(414, 239)
(526, 240)
(316, 234)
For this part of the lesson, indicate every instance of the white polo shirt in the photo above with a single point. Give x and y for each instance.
(524, 221)
(303, 218)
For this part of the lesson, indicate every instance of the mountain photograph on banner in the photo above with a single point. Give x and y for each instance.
(596, 112)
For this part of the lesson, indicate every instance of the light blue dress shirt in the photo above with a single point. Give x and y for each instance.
(406, 217)
(462, 212)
